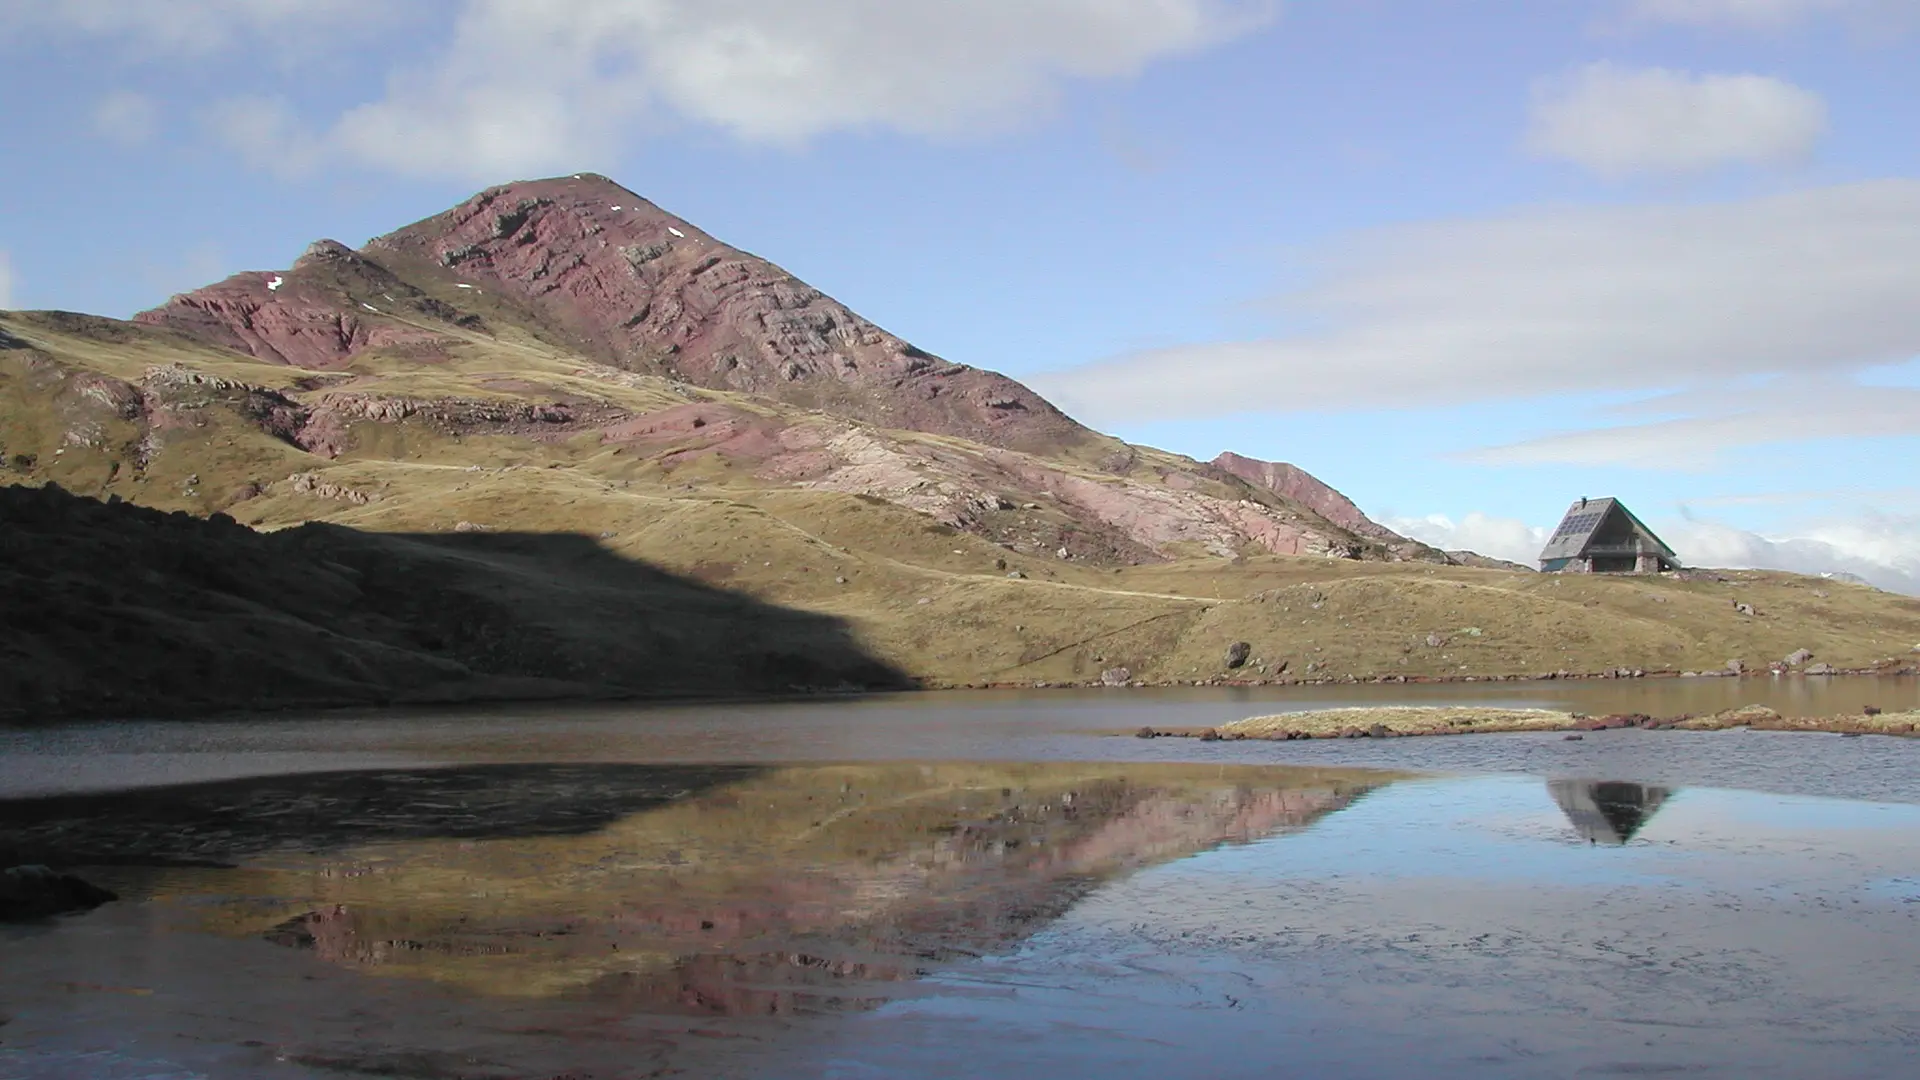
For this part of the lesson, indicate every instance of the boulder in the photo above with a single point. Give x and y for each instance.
(1118, 676)
(1237, 654)
(1820, 669)
(1737, 667)
(36, 892)
(1798, 657)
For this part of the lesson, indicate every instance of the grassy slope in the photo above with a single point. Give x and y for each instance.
(934, 602)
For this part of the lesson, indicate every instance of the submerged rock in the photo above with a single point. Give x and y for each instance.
(36, 892)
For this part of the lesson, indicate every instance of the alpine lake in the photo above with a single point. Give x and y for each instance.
(983, 884)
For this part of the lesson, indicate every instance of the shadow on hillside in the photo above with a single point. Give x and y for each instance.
(117, 610)
(216, 823)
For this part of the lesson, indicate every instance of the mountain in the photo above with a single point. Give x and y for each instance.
(595, 269)
(582, 267)
(616, 436)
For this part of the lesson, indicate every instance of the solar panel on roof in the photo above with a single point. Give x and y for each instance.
(1577, 523)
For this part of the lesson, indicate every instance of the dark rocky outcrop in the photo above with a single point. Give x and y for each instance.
(37, 892)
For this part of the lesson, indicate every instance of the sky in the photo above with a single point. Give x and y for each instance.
(1466, 260)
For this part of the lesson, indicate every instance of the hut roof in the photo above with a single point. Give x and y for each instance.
(1586, 518)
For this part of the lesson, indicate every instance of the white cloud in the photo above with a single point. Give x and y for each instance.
(1883, 549)
(6, 281)
(526, 86)
(127, 118)
(1501, 538)
(1558, 300)
(196, 26)
(1721, 422)
(264, 133)
(1756, 14)
(1619, 121)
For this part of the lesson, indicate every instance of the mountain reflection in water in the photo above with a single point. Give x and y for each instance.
(1607, 811)
(720, 891)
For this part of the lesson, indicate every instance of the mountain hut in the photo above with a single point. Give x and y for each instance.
(1601, 536)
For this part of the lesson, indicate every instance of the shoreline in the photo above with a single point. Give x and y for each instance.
(1892, 667)
(1391, 722)
(506, 691)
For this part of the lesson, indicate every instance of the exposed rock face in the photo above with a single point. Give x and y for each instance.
(637, 285)
(599, 269)
(1309, 491)
(1304, 488)
(302, 318)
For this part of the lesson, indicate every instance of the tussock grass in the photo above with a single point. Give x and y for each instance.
(1451, 720)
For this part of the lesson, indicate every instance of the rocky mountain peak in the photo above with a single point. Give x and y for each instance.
(625, 280)
(596, 269)
(325, 251)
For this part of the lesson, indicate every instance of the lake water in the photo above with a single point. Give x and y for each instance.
(968, 885)
(1031, 725)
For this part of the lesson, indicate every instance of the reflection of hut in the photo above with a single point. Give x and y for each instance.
(1601, 536)
(1607, 811)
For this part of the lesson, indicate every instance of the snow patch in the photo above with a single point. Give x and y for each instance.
(676, 232)
(463, 286)
(369, 307)
(274, 285)
(616, 208)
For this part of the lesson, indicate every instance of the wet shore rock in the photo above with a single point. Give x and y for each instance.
(37, 892)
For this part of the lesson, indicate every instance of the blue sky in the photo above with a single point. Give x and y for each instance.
(1464, 260)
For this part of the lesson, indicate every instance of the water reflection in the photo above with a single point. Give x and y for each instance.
(697, 890)
(1607, 811)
